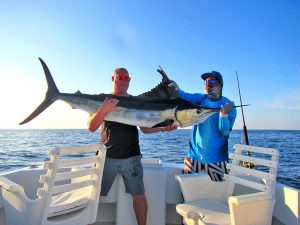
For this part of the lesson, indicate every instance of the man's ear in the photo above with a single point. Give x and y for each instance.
(112, 78)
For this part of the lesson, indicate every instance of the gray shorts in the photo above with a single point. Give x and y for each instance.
(130, 169)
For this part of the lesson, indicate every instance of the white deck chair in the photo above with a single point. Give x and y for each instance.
(247, 197)
(64, 199)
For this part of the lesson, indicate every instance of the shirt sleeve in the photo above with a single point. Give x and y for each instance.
(193, 98)
(226, 122)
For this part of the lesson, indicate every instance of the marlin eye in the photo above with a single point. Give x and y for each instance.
(198, 111)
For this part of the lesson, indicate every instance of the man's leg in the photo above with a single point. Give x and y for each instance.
(132, 173)
(109, 174)
(140, 208)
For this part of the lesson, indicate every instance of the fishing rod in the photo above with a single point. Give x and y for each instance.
(243, 163)
(241, 104)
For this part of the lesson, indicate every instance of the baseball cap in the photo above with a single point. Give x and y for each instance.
(213, 74)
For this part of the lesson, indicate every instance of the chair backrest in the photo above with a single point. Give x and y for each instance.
(63, 189)
(262, 174)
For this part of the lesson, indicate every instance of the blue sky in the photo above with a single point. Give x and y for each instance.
(83, 41)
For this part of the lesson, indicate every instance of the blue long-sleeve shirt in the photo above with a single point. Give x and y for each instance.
(209, 141)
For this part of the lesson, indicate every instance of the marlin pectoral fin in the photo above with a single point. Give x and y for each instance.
(164, 123)
(73, 106)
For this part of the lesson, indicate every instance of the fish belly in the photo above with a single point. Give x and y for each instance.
(141, 118)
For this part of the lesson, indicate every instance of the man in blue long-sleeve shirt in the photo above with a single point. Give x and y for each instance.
(208, 150)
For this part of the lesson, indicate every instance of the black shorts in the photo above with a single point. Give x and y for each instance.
(215, 171)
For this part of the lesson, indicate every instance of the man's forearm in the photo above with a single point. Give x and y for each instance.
(96, 120)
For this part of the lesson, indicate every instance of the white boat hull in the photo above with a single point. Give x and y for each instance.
(163, 193)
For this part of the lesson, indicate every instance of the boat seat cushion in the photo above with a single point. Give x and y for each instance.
(69, 201)
(207, 210)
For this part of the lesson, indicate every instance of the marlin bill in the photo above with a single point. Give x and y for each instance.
(156, 108)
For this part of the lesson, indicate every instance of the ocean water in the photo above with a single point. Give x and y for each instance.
(21, 148)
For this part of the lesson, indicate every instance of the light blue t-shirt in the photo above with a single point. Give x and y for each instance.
(209, 141)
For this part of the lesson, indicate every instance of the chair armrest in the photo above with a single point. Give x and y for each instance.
(249, 198)
(199, 186)
(189, 211)
(10, 185)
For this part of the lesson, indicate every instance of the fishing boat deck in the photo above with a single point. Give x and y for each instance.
(163, 193)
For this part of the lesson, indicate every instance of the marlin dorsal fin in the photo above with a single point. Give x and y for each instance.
(162, 90)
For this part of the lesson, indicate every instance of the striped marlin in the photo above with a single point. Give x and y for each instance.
(156, 108)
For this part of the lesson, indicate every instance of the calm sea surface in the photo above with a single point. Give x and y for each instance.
(21, 148)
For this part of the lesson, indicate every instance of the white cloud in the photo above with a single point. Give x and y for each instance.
(123, 38)
(288, 101)
(126, 34)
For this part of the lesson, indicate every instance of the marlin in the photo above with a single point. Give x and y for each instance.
(158, 107)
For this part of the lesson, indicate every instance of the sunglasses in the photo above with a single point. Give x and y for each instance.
(211, 82)
(122, 77)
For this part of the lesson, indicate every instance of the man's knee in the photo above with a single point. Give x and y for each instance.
(139, 198)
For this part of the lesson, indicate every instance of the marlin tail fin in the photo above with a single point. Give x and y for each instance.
(50, 95)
